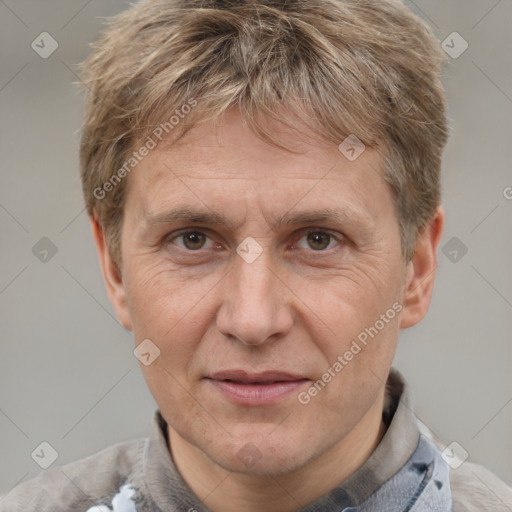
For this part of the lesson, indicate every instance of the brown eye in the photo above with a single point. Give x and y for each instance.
(318, 240)
(193, 240)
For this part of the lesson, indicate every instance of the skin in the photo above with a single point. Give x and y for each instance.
(296, 308)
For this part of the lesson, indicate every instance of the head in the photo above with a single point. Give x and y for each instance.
(262, 179)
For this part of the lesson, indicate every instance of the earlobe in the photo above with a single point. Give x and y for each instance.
(111, 274)
(420, 273)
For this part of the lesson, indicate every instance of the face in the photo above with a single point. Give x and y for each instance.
(254, 270)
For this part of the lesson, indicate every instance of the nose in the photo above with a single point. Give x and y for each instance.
(255, 307)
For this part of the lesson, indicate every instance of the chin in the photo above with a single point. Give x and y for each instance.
(263, 463)
(261, 451)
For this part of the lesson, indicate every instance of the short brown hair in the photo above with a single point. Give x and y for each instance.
(369, 68)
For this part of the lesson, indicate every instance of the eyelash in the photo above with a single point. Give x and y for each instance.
(340, 239)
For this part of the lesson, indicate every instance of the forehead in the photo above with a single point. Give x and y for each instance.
(226, 166)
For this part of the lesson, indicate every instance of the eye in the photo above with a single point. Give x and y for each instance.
(191, 240)
(318, 240)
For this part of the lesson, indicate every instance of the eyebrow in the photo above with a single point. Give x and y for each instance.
(338, 216)
(184, 214)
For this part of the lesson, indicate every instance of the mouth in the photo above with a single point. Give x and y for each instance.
(264, 388)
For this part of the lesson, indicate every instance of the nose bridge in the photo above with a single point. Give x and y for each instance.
(254, 305)
(255, 281)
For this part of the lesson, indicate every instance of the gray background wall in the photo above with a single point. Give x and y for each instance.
(67, 373)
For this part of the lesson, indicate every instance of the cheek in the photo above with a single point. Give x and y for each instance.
(357, 367)
(174, 313)
(160, 299)
(351, 300)
(354, 322)
(171, 312)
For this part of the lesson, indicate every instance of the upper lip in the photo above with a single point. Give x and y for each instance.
(251, 378)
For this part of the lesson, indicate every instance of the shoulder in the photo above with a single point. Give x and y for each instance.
(475, 488)
(80, 484)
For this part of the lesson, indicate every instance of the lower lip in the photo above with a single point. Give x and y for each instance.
(257, 394)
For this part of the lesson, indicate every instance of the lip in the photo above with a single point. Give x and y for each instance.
(262, 388)
(266, 377)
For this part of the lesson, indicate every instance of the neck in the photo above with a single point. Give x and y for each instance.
(224, 491)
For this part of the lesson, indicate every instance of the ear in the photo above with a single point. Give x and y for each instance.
(421, 271)
(111, 274)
